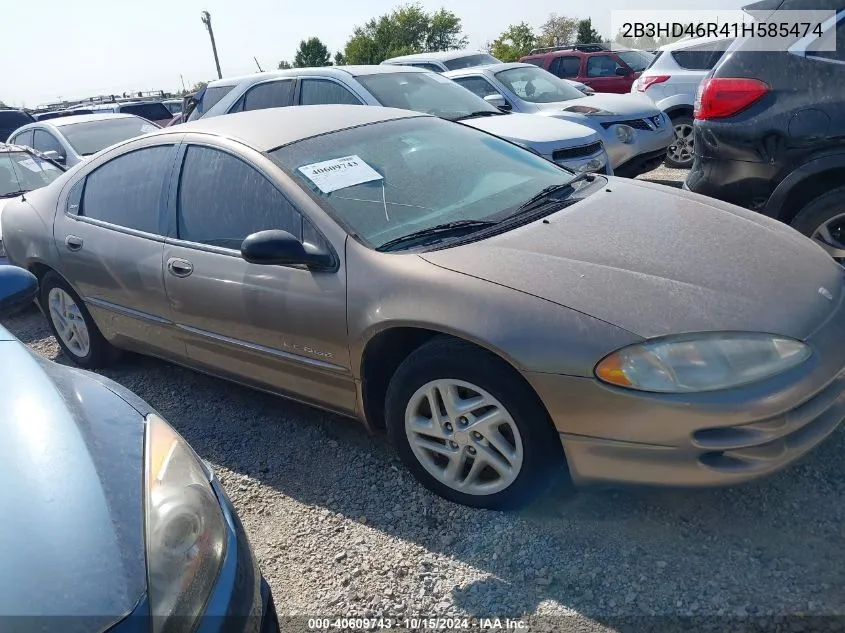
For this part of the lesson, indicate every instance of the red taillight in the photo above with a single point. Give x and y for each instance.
(720, 97)
(646, 81)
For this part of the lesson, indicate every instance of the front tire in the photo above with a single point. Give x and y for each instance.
(823, 220)
(470, 429)
(679, 155)
(72, 325)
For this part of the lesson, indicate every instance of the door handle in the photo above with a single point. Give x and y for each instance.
(73, 243)
(179, 267)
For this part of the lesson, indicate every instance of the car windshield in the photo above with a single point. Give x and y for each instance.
(149, 111)
(425, 92)
(637, 60)
(92, 136)
(536, 85)
(471, 61)
(388, 180)
(22, 171)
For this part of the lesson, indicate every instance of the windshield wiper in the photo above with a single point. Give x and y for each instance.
(12, 194)
(478, 114)
(547, 195)
(441, 231)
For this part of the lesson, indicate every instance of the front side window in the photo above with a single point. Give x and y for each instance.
(223, 200)
(127, 190)
(471, 61)
(273, 94)
(602, 66)
(537, 86)
(322, 91)
(21, 172)
(565, 66)
(45, 142)
(425, 92)
(92, 136)
(411, 174)
(477, 85)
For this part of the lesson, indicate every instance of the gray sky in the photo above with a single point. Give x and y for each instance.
(67, 49)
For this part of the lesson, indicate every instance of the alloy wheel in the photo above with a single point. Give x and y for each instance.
(831, 237)
(464, 437)
(681, 148)
(69, 322)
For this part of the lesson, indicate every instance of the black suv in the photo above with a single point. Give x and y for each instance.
(11, 120)
(770, 129)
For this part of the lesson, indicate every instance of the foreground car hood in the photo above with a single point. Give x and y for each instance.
(617, 105)
(71, 538)
(658, 261)
(541, 134)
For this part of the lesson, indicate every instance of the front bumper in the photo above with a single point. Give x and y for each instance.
(615, 436)
(649, 143)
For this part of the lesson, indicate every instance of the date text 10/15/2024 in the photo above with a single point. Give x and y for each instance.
(417, 624)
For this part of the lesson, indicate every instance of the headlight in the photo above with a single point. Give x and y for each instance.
(701, 362)
(625, 134)
(185, 530)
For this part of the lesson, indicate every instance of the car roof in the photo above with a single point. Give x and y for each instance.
(86, 118)
(439, 56)
(326, 71)
(692, 41)
(270, 128)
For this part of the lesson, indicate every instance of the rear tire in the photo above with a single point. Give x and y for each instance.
(679, 155)
(491, 444)
(72, 325)
(823, 219)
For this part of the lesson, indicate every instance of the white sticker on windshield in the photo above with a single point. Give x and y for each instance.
(148, 128)
(30, 164)
(339, 173)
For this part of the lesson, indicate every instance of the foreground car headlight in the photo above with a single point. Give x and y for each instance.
(701, 362)
(185, 530)
(625, 134)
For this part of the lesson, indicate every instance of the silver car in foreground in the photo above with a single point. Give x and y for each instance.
(508, 322)
(70, 140)
(634, 131)
(575, 146)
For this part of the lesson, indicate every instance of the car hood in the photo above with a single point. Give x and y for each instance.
(615, 105)
(658, 261)
(71, 462)
(540, 134)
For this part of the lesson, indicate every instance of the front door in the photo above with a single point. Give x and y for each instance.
(600, 74)
(109, 233)
(276, 327)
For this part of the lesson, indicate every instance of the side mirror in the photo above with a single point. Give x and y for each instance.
(498, 101)
(280, 248)
(624, 72)
(18, 288)
(54, 155)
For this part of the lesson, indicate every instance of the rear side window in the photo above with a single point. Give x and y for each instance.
(222, 200)
(321, 91)
(565, 66)
(273, 94)
(149, 111)
(478, 85)
(127, 191)
(24, 138)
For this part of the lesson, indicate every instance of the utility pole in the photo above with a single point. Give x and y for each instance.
(206, 19)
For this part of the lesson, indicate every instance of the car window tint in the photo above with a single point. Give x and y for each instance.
(222, 200)
(273, 94)
(826, 41)
(320, 91)
(478, 85)
(46, 142)
(702, 57)
(149, 111)
(24, 138)
(432, 67)
(127, 190)
(602, 66)
(565, 66)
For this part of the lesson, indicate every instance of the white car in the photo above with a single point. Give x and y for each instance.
(671, 81)
(71, 139)
(634, 131)
(574, 146)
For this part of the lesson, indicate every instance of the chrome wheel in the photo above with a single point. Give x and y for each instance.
(680, 151)
(463, 437)
(69, 322)
(831, 237)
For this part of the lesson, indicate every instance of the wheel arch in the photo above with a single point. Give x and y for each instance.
(679, 110)
(804, 185)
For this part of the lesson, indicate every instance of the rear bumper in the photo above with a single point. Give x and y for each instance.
(641, 164)
(617, 437)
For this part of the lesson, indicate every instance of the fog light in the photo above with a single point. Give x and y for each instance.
(625, 134)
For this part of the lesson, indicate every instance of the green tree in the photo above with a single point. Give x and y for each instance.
(406, 29)
(339, 59)
(198, 86)
(312, 52)
(558, 30)
(517, 40)
(586, 33)
(284, 65)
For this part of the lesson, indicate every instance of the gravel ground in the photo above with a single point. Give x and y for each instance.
(341, 529)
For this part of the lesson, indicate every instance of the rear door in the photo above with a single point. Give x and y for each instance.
(109, 234)
(325, 90)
